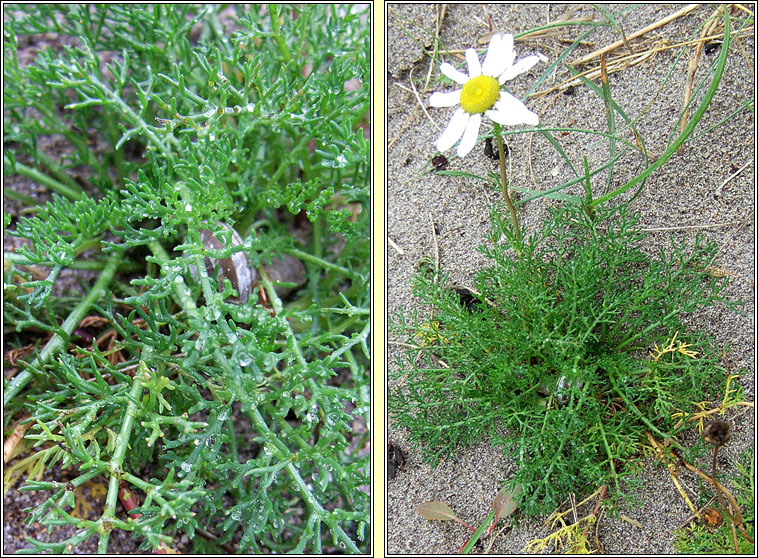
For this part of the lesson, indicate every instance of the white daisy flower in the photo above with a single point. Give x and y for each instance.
(481, 94)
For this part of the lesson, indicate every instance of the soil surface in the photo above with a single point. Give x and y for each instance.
(692, 193)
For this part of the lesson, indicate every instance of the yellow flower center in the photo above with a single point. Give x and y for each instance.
(479, 94)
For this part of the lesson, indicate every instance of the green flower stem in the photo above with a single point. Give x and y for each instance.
(88, 265)
(564, 439)
(185, 300)
(122, 442)
(504, 180)
(289, 334)
(674, 147)
(276, 303)
(183, 296)
(306, 257)
(645, 331)
(233, 452)
(631, 406)
(32, 204)
(107, 95)
(318, 251)
(55, 185)
(280, 40)
(58, 342)
(610, 456)
(58, 171)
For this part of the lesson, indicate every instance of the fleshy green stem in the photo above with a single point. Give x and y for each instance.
(91, 265)
(280, 40)
(325, 264)
(504, 180)
(55, 185)
(632, 407)
(122, 441)
(57, 342)
(609, 453)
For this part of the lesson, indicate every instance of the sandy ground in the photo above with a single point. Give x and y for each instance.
(686, 192)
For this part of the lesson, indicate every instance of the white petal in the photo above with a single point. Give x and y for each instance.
(523, 65)
(474, 67)
(456, 75)
(454, 130)
(507, 46)
(509, 111)
(470, 135)
(493, 54)
(449, 99)
(496, 61)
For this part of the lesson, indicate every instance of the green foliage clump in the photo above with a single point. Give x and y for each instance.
(550, 358)
(247, 424)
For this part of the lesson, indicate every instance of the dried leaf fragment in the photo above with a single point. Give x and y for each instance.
(436, 510)
(506, 502)
(13, 440)
(441, 512)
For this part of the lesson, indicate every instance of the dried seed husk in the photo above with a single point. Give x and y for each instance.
(235, 267)
(282, 269)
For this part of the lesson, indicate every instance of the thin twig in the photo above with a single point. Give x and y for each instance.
(631, 521)
(436, 250)
(691, 517)
(735, 233)
(572, 501)
(395, 246)
(717, 191)
(598, 544)
(440, 16)
(418, 98)
(692, 227)
(672, 473)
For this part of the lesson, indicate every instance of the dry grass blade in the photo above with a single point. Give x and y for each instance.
(436, 250)
(441, 11)
(418, 98)
(660, 23)
(440, 18)
(631, 521)
(395, 246)
(707, 29)
(672, 473)
(620, 63)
